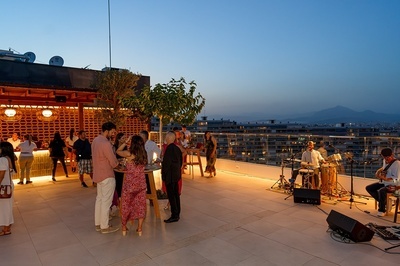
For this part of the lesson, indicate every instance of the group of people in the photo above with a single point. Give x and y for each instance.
(136, 151)
(99, 159)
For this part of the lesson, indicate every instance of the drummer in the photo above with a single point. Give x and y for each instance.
(311, 159)
(322, 150)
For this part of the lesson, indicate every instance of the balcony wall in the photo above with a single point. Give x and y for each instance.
(274, 172)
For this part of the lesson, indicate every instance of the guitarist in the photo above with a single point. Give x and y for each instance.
(389, 175)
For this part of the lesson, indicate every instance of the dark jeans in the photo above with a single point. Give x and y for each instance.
(174, 199)
(378, 191)
(61, 159)
(119, 179)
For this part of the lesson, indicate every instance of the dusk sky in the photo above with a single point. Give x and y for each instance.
(256, 58)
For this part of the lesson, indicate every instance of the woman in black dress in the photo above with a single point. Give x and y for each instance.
(211, 153)
(58, 149)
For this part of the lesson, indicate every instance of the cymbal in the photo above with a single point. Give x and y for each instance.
(294, 160)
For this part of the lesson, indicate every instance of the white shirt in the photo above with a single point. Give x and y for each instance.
(151, 149)
(393, 172)
(26, 149)
(15, 143)
(313, 157)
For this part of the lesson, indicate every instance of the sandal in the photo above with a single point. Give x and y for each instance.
(4, 233)
(124, 231)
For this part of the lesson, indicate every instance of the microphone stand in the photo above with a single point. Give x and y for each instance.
(351, 200)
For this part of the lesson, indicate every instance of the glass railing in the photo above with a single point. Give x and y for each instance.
(359, 155)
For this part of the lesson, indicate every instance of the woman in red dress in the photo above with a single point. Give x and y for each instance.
(133, 198)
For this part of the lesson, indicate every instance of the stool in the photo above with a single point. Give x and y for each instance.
(389, 198)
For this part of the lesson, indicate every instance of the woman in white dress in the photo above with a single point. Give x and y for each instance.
(69, 141)
(7, 168)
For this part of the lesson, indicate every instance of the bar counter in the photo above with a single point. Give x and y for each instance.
(42, 164)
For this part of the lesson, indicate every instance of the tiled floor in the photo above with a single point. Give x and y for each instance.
(230, 219)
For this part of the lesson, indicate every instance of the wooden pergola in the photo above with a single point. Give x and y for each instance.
(45, 85)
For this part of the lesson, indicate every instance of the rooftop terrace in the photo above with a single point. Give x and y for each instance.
(231, 219)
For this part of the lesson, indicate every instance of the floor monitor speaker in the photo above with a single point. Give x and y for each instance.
(308, 196)
(349, 227)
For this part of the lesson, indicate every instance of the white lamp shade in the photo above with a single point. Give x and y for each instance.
(47, 113)
(10, 112)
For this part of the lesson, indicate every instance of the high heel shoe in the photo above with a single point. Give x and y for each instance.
(124, 231)
(139, 232)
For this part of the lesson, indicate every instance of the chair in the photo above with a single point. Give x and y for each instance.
(389, 198)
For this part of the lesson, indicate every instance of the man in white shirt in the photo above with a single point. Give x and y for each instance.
(389, 175)
(14, 140)
(187, 133)
(311, 159)
(150, 147)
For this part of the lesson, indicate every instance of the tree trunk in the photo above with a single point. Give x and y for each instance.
(160, 132)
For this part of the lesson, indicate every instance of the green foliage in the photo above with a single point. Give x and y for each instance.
(169, 102)
(113, 87)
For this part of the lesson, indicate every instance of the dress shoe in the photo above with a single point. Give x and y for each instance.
(53, 178)
(28, 182)
(171, 220)
(20, 183)
(109, 230)
(84, 184)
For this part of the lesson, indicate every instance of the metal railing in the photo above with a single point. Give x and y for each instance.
(360, 153)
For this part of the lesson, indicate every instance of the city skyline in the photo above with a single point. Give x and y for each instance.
(253, 58)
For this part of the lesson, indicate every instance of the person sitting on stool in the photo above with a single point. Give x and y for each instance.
(389, 175)
(311, 159)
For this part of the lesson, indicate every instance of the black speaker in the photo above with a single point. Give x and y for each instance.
(308, 196)
(61, 99)
(349, 227)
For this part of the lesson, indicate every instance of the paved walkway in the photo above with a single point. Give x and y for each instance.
(230, 219)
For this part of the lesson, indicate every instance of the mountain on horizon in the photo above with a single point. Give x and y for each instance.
(334, 115)
(341, 114)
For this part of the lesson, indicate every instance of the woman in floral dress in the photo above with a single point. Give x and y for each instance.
(133, 198)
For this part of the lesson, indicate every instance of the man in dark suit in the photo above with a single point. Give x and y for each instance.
(171, 173)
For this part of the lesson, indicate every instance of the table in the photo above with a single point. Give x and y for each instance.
(191, 163)
(153, 195)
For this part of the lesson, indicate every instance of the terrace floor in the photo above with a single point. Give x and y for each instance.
(231, 219)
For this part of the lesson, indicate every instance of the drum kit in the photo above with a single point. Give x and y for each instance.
(329, 181)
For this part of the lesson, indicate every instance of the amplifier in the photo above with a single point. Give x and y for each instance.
(307, 196)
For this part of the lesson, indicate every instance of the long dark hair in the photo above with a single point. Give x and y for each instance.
(117, 139)
(205, 135)
(57, 136)
(7, 150)
(137, 149)
(28, 138)
(71, 133)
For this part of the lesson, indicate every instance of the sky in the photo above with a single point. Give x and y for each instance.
(251, 59)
